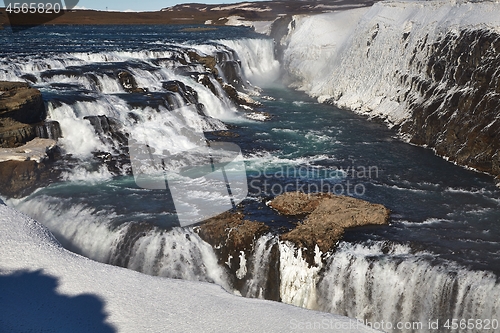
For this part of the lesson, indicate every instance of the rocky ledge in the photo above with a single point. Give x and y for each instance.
(20, 102)
(27, 144)
(20, 178)
(322, 220)
(233, 239)
(22, 114)
(327, 216)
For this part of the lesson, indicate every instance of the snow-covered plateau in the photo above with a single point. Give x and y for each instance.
(45, 288)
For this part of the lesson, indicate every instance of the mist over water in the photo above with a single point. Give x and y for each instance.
(438, 258)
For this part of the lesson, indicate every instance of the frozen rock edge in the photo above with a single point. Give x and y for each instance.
(428, 68)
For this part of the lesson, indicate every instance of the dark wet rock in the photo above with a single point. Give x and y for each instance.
(129, 83)
(279, 29)
(231, 70)
(30, 77)
(71, 72)
(20, 178)
(328, 216)
(187, 93)
(21, 102)
(112, 133)
(225, 134)
(177, 92)
(172, 102)
(461, 89)
(238, 97)
(15, 134)
(110, 130)
(49, 129)
(208, 61)
(205, 80)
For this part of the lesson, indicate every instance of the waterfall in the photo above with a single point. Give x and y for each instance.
(179, 253)
(431, 69)
(139, 89)
(171, 97)
(390, 282)
(257, 59)
(373, 281)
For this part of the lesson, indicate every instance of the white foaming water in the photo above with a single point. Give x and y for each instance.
(298, 279)
(78, 227)
(388, 282)
(179, 253)
(216, 107)
(178, 131)
(374, 282)
(109, 85)
(117, 56)
(79, 137)
(257, 59)
(255, 284)
(267, 161)
(15, 68)
(80, 174)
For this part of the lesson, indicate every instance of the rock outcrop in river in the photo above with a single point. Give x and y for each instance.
(327, 216)
(20, 108)
(22, 155)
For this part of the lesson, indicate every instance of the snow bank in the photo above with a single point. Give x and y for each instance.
(355, 58)
(47, 288)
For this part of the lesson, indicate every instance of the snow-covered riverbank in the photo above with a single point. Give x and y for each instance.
(47, 288)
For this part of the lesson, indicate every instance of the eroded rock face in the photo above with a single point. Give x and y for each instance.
(20, 178)
(21, 102)
(14, 133)
(230, 236)
(231, 233)
(328, 217)
(49, 130)
(128, 82)
(21, 116)
(25, 156)
(108, 129)
(460, 116)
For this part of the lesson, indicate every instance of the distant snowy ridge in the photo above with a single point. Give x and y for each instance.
(45, 287)
(429, 67)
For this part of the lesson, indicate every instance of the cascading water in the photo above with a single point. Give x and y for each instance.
(162, 88)
(258, 66)
(388, 282)
(99, 99)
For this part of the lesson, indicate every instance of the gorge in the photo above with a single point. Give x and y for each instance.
(428, 70)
